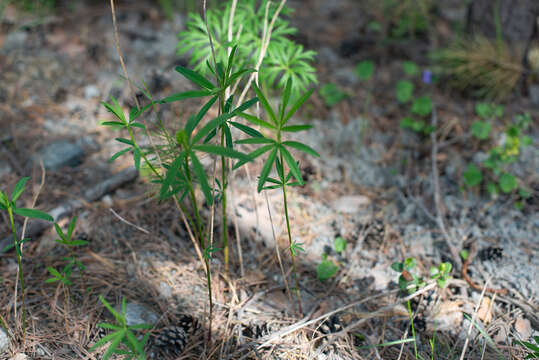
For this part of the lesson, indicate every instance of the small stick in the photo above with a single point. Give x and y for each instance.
(436, 183)
(128, 222)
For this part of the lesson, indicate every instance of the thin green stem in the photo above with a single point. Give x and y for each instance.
(413, 329)
(223, 202)
(202, 243)
(298, 294)
(19, 263)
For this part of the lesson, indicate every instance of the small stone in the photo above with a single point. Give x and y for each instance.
(91, 91)
(59, 154)
(107, 200)
(165, 290)
(139, 314)
(14, 41)
(523, 327)
(351, 204)
(4, 341)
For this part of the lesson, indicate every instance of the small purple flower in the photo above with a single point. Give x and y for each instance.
(427, 77)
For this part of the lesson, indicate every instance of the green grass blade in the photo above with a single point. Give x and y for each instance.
(19, 188)
(292, 164)
(33, 213)
(246, 129)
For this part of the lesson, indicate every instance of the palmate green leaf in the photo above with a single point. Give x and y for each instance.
(135, 113)
(296, 128)
(246, 129)
(138, 125)
(19, 188)
(60, 232)
(106, 339)
(256, 121)
(286, 98)
(222, 151)
(301, 147)
(228, 103)
(33, 213)
(194, 120)
(256, 140)
(54, 273)
(112, 123)
(245, 105)
(265, 104)
(71, 227)
(125, 141)
(237, 75)
(266, 169)
(185, 95)
(230, 61)
(172, 173)
(117, 316)
(114, 344)
(211, 125)
(292, 164)
(228, 136)
(72, 243)
(195, 77)
(254, 154)
(280, 170)
(137, 345)
(118, 154)
(296, 106)
(202, 178)
(136, 158)
(116, 110)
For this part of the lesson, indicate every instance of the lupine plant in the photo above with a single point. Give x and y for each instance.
(66, 239)
(278, 154)
(122, 340)
(9, 204)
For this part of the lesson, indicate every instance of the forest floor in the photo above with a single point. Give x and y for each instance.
(373, 186)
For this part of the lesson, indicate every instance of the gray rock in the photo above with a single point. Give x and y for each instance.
(165, 290)
(91, 91)
(139, 314)
(534, 94)
(346, 76)
(5, 168)
(61, 153)
(14, 41)
(4, 342)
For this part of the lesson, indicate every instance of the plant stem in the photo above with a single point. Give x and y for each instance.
(223, 202)
(202, 243)
(298, 294)
(413, 329)
(19, 263)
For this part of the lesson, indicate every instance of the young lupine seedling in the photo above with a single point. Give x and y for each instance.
(441, 273)
(406, 279)
(9, 203)
(501, 155)
(326, 269)
(67, 240)
(279, 154)
(332, 94)
(122, 339)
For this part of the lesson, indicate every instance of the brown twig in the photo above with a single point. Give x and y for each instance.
(473, 284)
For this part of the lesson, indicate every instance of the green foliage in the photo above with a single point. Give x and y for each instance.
(285, 60)
(422, 106)
(410, 68)
(332, 95)
(500, 156)
(489, 111)
(441, 273)
(66, 240)
(532, 349)
(122, 339)
(472, 175)
(340, 244)
(407, 280)
(365, 69)
(9, 204)
(481, 129)
(326, 269)
(405, 91)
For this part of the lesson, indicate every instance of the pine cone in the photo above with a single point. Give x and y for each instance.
(171, 339)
